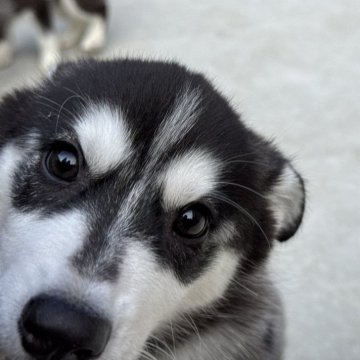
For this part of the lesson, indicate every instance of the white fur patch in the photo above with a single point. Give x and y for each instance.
(188, 178)
(10, 156)
(213, 283)
(287, 198)
(178, 123)
(104, 138)
(148, 296)
(35, 257)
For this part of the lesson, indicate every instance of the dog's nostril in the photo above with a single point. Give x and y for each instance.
(54, 329)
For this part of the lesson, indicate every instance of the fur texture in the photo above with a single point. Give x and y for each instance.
(152, 138)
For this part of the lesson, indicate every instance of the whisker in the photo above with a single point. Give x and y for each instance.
(192, 324)
(242, 210)
(62, 108)
(173, 337)
(242, 159)
(147, 355)
(51, 107)
(241, 156)
(57, 104)
(84, 98)
(252, 162)
(252, 292)
(159, 348)
(242, 187)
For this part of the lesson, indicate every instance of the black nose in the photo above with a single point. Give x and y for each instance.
(54, 329)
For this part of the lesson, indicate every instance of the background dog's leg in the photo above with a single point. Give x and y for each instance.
(49, 44)
(5, 46)
(95, 37)
(73, 34)
(87, 17)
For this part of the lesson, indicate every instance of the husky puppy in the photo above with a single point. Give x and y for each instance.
(86, 17)
(137, 213)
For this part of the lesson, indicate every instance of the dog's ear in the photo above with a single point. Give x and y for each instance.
(287, 201)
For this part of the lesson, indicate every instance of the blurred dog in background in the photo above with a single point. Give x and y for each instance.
(87, 27)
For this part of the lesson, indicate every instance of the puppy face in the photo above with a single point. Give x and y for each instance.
(133, 189)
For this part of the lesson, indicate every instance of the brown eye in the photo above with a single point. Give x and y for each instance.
(192, 221)
(62, 162)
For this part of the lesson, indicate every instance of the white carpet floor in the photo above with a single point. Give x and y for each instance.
(292, 67)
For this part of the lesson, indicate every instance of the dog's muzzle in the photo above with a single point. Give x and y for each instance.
(54, 329)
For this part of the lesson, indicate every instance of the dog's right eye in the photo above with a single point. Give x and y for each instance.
(62, 162)
(192, 222)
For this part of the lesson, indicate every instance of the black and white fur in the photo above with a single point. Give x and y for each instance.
(87, 26)
(154, 137)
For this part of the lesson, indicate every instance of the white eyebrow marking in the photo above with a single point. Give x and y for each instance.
(178, 123)
(188, 178)
(104, 138)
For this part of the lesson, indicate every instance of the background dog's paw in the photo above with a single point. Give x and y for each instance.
(6, 54)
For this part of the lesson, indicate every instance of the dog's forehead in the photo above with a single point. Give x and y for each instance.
(152, 127)
(139, 102)
(104, 137)
(107, 136)
(107, 141)
(146, 116)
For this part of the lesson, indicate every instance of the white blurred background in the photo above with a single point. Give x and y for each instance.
(292, 68)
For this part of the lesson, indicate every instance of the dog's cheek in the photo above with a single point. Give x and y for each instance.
(35, 255)
(10, 157)
(150, 295)
(146, 295)
(155, 289)
(50, 240)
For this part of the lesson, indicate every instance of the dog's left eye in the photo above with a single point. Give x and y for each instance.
(62, 162)
(192, 222)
